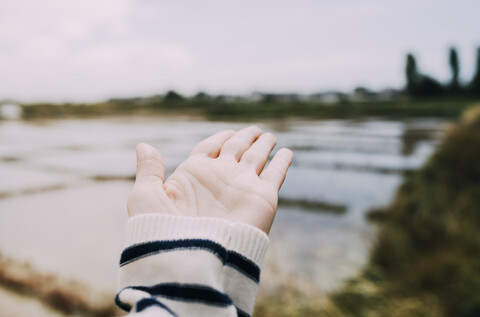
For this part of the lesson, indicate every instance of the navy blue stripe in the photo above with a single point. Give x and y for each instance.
(188, 293)
(241, 313)
(122, 305)
(149, 248)
(241, 263)
(149, 302)
(230, 258)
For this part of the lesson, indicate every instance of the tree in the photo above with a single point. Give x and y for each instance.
(475, 83)
(455, 68)
(411, 72)
(419, 85)
(202, 99)
(172, 96)
(269, 98)
(202, 96)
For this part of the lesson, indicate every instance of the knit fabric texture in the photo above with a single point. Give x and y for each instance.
(190, 266)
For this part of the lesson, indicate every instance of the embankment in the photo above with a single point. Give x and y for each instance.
(425, 261)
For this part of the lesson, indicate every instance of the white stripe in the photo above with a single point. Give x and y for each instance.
(179, 266)
(241, 289)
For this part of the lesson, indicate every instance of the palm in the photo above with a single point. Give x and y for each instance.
(215, 185)
(204, 186)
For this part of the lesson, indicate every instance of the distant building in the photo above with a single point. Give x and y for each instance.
(329, 97)
(229, 99)
(389, 94)
(273, 97)
(255, 97)
(289, 97)
(362, 94)
(10, 111)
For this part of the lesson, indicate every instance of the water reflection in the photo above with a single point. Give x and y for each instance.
(64, 185)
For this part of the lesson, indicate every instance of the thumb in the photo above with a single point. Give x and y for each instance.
(150, 166)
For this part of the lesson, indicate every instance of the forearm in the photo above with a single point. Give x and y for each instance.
(187, 266)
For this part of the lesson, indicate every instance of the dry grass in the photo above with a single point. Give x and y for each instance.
(426, 259)
(68, 297)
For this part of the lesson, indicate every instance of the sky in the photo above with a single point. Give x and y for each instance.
(91, 50)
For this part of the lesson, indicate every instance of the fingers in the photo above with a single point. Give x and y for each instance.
(256, 156)
(240, 142)
(150, 166)
(211, 146)
(276, 170)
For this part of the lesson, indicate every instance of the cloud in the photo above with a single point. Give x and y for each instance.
(68, 48)
(90, 50)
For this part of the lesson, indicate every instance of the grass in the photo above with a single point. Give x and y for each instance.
(66, 296)
(447, 107)
(317, 206)
(426, 259)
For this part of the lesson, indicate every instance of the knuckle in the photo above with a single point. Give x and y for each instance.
(211, 144)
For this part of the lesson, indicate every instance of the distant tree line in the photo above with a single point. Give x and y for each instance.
(418, 85)
(422, 85)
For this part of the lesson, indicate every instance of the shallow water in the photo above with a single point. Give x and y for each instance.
(57, 214)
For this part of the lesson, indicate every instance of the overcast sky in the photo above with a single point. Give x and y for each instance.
(88, 50)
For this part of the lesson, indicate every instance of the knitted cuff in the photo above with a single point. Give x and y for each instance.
(249, 241)
(239, 237)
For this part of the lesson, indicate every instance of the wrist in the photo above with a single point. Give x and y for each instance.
(155, 226)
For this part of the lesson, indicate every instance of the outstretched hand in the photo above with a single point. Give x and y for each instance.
(224, 177)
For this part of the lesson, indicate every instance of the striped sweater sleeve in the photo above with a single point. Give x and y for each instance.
(190, 266)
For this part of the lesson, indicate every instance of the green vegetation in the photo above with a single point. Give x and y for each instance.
(389, 109)
(426, 258)
(313, 205)
(455, 69)
(475, 83)
(425, 261)
(213, 109)
(423, 96)
(420, 85)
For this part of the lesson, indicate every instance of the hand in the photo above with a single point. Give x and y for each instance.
(223, 177)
